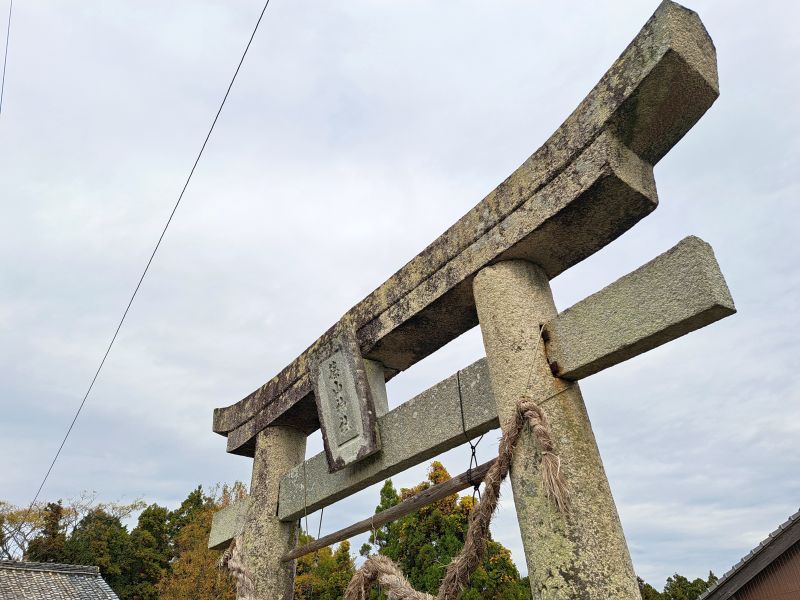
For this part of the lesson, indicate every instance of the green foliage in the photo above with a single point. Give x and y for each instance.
(323, 575)
(194, 571)
(424, 543)
(150, 554)
(49, 545)
(100, 539)
(195, 502)
(165, 556)
(648, 591)
(678, 587)
(42, 525)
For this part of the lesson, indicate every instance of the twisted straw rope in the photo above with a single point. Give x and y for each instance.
(233, 560)
(382, 571)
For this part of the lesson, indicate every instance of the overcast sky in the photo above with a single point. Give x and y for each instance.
(357, 132)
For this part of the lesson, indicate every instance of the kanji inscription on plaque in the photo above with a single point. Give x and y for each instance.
(345, 404)
(340, 387)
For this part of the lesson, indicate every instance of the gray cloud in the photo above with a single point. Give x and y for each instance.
(358, 132)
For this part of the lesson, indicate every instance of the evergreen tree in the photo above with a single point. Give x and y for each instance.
(194, 503)
(165, 557)
(149, 555)
(679, 587)
(424, 543)
(48, 546)
(325, 574)
(647, 591)
(100, 539)
(194, 570)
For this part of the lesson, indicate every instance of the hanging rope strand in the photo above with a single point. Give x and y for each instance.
(233, 560)
(382, 571)
(473, 459)
(316, 554)
(305, 517)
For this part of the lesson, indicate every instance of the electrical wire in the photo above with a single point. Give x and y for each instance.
(5, 55)
(150, 260)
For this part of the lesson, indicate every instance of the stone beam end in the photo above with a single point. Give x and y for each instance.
(228, 523)
(674, 294)
(677, 91)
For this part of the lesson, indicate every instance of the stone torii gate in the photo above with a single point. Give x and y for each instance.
(588, 184)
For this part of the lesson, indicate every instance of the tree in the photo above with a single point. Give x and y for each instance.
(647, 591)
(194, 503)
(48, 546)
(679, 587)
(165, 557)
(149, 556)
(323, 575)
(194, 570)
(19, 526)
(100, 539)
(424, 543)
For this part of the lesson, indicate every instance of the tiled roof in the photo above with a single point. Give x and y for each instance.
(742, 572)
(20, 580)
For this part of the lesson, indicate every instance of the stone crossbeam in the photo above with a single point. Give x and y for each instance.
(414, 432)
(588, 184)
(678, 292)
(420, 429)
(228, 523)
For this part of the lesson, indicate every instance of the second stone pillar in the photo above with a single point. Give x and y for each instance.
(582, 556)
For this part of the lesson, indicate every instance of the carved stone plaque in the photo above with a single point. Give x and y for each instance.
(345, 402)
(339, 387)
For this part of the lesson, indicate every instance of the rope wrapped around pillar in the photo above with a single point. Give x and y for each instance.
(233, 560)
(382, 571)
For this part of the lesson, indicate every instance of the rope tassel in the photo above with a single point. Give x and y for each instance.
(553, 484)
(382, 571)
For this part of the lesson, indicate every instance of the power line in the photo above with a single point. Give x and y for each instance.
(150, 260)
(5, 55)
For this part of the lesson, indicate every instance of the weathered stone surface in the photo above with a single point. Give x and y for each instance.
(266, 538)
(658, 88)
(672, 295)
(603, 191)
(228, 523)
(377, 385)
(584, 556)
(416, 431)
(344, 402)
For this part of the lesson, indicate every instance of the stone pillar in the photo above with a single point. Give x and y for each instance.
(267, 539)
(583, 556)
